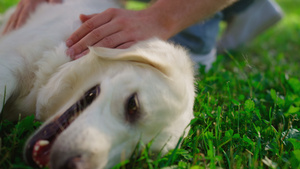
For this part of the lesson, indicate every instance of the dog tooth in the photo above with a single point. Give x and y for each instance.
(40, 165)
(43, 142)
(36, 147)
(37, 162)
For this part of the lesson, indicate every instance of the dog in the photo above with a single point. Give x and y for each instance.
(97, 108)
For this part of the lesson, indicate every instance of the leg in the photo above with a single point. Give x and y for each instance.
(242, 26)
(200, 39)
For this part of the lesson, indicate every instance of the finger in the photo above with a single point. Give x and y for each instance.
(84, 18)
(82, 54)
(113, 40)
(88, 26)
(13, 19)
(8, 25)
(94, 37)
(23, 16)
(125, 45)
(55, 1)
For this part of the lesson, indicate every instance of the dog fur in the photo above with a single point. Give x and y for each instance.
(36, 77)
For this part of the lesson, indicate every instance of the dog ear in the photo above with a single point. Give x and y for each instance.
(161, 55)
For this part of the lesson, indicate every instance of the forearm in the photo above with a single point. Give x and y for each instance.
(119, 28)
(176, 15)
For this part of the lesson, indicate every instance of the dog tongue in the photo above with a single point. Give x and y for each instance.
(40, 153)
(37, 151)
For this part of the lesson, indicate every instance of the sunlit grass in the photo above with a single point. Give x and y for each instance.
(4, 4)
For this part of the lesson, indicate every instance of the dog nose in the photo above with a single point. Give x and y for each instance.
(74, 163)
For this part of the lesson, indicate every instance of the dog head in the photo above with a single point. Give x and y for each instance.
(99, 107)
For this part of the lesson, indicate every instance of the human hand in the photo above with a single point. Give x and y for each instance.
(115, 28)
(24, 8)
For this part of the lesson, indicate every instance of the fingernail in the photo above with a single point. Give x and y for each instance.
(70, 52)
(69, 43)
(80, 55)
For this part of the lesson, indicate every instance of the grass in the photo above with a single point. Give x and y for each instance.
(4, 4)
(247, 110)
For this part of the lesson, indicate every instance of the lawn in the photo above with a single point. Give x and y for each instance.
(246, 110)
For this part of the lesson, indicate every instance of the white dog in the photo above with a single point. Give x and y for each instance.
(97, 108)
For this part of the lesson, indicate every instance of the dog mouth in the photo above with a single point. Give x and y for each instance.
(37, 149)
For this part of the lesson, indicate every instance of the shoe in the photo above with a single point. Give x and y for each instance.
(245, 26)
(204, 59)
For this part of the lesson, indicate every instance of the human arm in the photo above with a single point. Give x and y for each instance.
(24, 8)
(119, 28)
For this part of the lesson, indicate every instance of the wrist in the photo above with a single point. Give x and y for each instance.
(164, 20)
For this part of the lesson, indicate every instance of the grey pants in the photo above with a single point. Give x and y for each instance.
(201, 37)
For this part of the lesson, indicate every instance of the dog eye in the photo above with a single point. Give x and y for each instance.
(89, 97)
(132, 108)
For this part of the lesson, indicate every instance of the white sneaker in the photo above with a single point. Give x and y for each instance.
(204, 59)
(246, 25)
